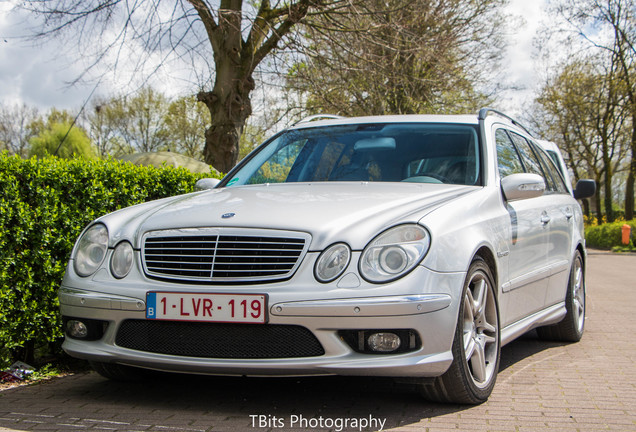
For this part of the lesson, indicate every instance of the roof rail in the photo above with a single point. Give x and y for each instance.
(484, 112)
(317, 117)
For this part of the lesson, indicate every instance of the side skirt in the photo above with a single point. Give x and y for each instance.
(548, 316)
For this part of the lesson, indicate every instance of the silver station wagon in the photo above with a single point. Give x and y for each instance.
(411, 247)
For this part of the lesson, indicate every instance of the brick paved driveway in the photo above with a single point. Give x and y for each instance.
(542, 386)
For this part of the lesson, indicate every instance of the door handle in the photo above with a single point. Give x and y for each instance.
(545, 219)
(568, 213)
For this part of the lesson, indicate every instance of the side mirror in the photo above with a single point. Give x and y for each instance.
(206, 183)
(522, 186)
(585, 189)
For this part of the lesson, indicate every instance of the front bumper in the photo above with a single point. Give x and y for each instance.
(431, 313)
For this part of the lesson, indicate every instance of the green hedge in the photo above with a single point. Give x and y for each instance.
(609, 235)
(44, 205)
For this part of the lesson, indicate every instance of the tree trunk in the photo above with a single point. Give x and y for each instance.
(229, 105)
(629, 188)
(607, 198)
(586, 207)
(235, 60)
(597, 203)
(607, 180)
(229, 111)
(629, 192)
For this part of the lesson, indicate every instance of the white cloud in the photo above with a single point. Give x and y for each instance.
(35, 75)
(39, 76)
(521, 69)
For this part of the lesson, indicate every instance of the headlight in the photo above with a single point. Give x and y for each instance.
(91, 250)
(394, 253)
(332, 262)
(122, 259)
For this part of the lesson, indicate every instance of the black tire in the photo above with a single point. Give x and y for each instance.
(471, 380)
(117, 372)
(571, 328)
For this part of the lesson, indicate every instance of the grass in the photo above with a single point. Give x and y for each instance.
(620, 249)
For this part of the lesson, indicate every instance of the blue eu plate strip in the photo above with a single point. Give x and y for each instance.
(151, 305)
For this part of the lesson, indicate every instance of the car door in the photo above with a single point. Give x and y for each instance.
(561, 226)
(525, 289)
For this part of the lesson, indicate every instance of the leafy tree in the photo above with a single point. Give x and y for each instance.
(396, 57)
(103, 126)
(17, 126)
(62, 140)
(581, 109)
(252, 137)
(126, 124)
(185, 122)
(40, 124)
(236, 34)
(142, 123)
(609, 27)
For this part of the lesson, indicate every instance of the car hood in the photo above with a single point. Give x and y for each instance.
(329, 212)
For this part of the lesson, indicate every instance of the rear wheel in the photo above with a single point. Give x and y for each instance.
(570, 329)
(476, 346)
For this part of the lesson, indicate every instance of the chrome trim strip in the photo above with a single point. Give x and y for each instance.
(356, 307)
(90, 299)
(559, 267)
(533, 276)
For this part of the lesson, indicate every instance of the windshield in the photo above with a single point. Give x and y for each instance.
(405, 152)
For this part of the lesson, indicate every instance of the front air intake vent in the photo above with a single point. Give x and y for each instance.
(218, 340)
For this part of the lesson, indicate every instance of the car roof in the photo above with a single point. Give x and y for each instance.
(409, 118)
(548, 145)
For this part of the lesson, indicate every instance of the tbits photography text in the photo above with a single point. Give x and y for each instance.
(299, 421)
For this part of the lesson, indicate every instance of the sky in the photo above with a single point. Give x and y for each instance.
(521, 69)
(39, 75)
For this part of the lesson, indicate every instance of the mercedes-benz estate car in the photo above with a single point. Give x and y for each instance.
(411, 247)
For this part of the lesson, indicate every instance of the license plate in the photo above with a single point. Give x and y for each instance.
(228, 308)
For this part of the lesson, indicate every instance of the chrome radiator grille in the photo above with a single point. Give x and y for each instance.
(201, 255)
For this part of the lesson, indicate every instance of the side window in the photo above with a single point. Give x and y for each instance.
(555, 159)
(507, 157)
(551, 171)
(528, 157)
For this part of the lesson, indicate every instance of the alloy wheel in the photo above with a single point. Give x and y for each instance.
(480, 323)
(578, 295)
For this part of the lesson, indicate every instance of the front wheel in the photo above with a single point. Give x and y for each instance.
(570, 329)
(476, 346)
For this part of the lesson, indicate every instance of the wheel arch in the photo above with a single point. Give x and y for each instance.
(581, 250)
(488, 256)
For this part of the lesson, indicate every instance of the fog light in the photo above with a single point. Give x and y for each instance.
(384, 342)
(76, 329)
